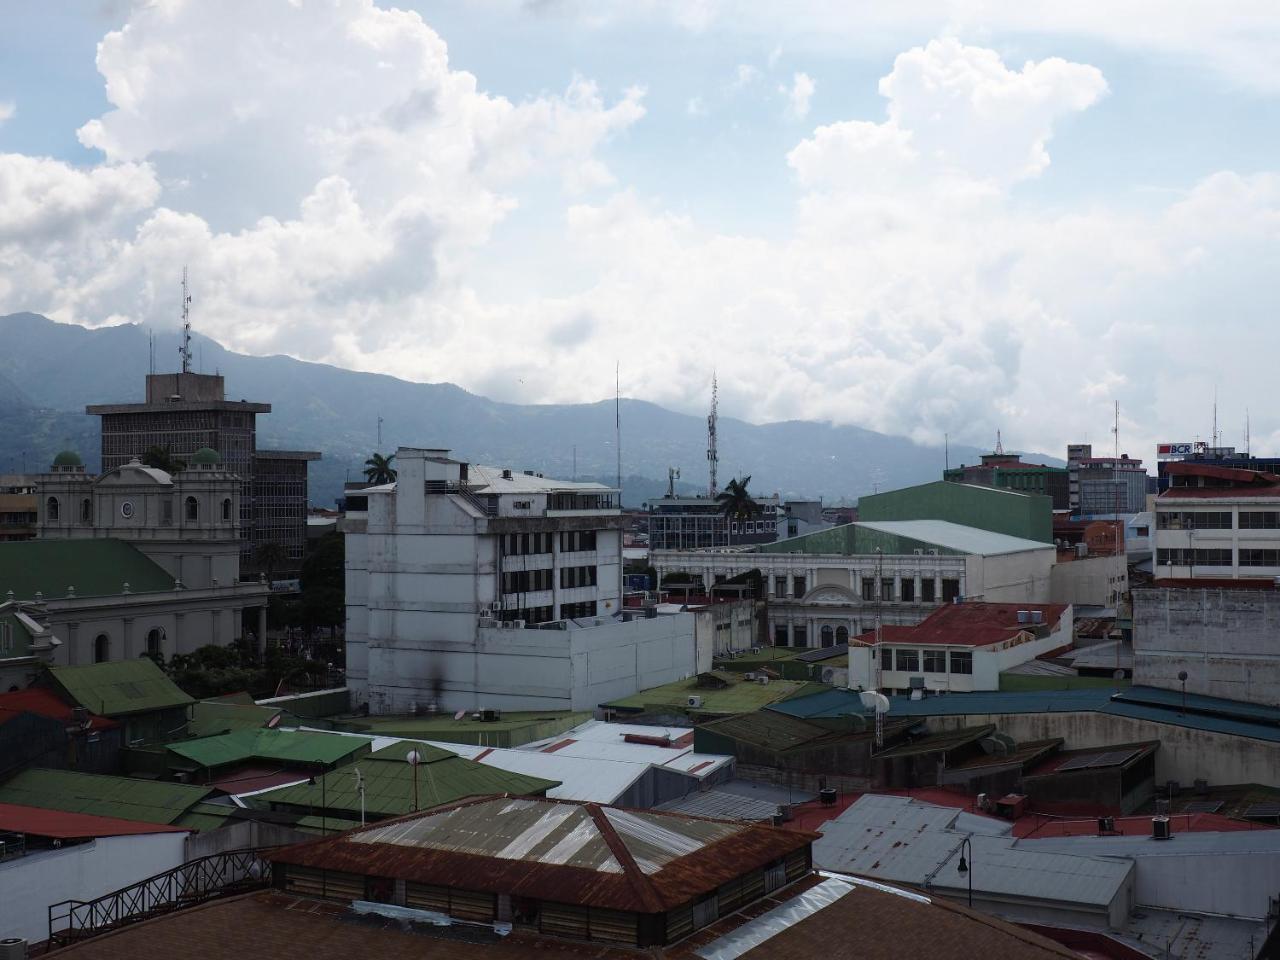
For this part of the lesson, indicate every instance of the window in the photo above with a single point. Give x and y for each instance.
(886, 589)
(1259, 558)
(1146, 531)
(935, 661)
(909, 660)
(226, 510)
(886, 658)
(1194, 558)
(192, 508)
(86, 510)
(842, 635)
(1194, 520)
(927, 594)
(155, 642)
(780, 638)
(908, 590)
(828, 636)
(962, 661)
(799, 586)
(51, 509)
(950, 590)
(868, 589)
(101, 648)
(1260, 519)
(521, 504)
(574, 611)
(577, 577)
(801, 635)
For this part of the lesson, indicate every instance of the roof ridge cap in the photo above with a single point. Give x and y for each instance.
(636, 878)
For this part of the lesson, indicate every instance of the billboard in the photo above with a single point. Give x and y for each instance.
(1174, 451)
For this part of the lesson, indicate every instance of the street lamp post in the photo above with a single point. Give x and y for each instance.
(1182, 677)
(964, 867)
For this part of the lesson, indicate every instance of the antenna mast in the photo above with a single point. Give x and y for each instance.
(184, 351)
(713, 457)
(999, 445)
(1215, 417)
(617, 422)
(1248, 450)
(879, 650)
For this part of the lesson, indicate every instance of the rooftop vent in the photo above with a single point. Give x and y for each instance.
(1160, 828)
(1037, 616)
(506, 474)
(1024, 616)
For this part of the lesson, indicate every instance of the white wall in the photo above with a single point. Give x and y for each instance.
(1091, 581)
(30, 884)
(1010, 578)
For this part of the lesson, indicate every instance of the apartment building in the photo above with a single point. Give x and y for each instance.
(1217, 522)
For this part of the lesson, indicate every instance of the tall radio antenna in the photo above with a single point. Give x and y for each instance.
(713, 457)
(617, 422)
(185, 350)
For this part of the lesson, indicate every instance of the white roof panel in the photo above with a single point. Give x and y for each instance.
(491, 480)
(953, 536)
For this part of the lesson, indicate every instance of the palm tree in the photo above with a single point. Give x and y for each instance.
(736, 502)
(161, 458)
(378, 469)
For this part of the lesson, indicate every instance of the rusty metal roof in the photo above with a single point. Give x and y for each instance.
(565, 851)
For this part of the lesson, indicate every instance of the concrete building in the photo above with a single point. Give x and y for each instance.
(823, 588)
(1007, 471)
(1217, 522)
(17, 507)
(959, 647)
(477, 587)
(187, 412)
(1221, 637)
(1108, 486)
(697, 523)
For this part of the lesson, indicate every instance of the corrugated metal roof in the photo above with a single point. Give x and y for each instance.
(149, 801)
(1188, 843)
(490, 480)
(46, 703)
(894, 838)
(580, 778)
(296, 746)
(953, 536)
(61, 825)
(121, 687)
(212, 717)
(95, 568)
(558, 850)
(443, 777)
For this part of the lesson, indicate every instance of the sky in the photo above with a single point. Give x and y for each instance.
(943, 217)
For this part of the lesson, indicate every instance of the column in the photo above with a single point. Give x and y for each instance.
(937, 588)
(178, 645)
(916, 594)
(262, 630)
(73, 655)
(126, 632)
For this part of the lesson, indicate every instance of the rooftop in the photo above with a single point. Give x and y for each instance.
(284, 746)
(93, 568)
(46, 703)
(510, 729)
(953, 536)
(212, 717)
(486, 480)
(148, 801)
(61, 825)
(120, 687)
(739, 696)
(972, 624)
(575, 853)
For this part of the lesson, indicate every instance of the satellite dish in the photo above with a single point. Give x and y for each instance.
(274, 721)
(1118, 675)
(460, 715)
(413, 757)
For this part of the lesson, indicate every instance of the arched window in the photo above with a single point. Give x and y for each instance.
(842, 635)
(192, 508)
(51, 509)
(86, 510)
(101, 648)
(226, 509)
(155, 642)
(828, 636)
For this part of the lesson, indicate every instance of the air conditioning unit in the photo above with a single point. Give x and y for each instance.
(919, 552)
(486, 613)
(763, 678)
(694, 702)
(749, 676)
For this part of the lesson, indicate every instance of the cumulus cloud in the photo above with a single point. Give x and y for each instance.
(799, 95)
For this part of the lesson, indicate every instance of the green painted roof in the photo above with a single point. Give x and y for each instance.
(68, 458)
(94, 568)
(284, 746)
(325, 825)
(741, 696)
(206, 455)
(514, 729)
(212, 717)
(150, 801)
(120, 688)
(206, 816)
(443, 777)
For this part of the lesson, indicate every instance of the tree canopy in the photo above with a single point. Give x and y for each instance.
(378, 469)
(736, 502)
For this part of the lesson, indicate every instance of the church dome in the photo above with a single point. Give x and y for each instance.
(206, 457)
(68, 458)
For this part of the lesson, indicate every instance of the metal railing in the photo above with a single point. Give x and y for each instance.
(219, 874)
(12, 846)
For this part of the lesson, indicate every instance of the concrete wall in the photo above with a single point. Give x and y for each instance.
(1092, 581)
(1185, 754)
(30, 885)
(1009, 578)
(1227, 641)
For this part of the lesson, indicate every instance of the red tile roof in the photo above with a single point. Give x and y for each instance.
(1178, 468)
(46, 703)
(971, 624)
(59, 825)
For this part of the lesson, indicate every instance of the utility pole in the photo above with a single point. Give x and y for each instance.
(713, 456)
(379, 434)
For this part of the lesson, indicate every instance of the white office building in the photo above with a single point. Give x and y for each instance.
(475, 587)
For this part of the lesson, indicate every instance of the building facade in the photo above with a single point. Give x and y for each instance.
(1007, 471)
(697, 523)
(475, 587)
(17, 507)
(185, 412)
(1109, 486)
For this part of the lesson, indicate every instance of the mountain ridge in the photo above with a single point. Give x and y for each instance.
(54, 370)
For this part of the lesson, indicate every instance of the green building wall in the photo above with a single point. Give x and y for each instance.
(850, 540)
(1026, 515)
